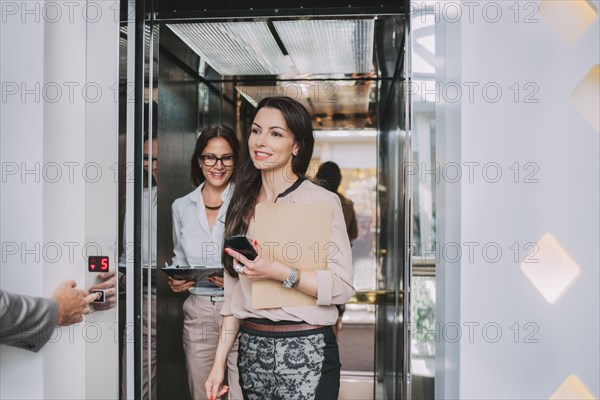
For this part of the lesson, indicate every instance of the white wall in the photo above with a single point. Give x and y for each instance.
(542, 341)
(64, 134)
(348, 154)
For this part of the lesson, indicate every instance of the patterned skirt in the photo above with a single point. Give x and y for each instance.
(288, 365)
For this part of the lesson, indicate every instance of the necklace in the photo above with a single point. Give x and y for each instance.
(212, 208)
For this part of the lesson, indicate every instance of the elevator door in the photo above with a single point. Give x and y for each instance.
(392, 315)
(184, 87)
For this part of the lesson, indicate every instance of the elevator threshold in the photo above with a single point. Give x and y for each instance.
(356, 385)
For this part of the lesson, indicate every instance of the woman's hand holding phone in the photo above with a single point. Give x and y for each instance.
(242, 245)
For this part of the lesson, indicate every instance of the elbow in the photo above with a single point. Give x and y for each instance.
(332, 289)
(345, 294)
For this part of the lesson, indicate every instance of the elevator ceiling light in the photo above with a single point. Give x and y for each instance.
(550, 268)
(319, 97)
(235, 48)
(328, 46)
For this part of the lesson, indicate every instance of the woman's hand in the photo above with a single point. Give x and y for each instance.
(263, 267)
(217, 281)
(179, 286)
(213, 385)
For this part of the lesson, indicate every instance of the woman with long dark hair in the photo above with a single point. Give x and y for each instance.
(198, 226)
(287, 352)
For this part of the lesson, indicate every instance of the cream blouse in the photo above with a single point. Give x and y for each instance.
(334, 284)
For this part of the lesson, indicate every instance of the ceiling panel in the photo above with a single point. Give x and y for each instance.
(328, 46)
(235, 48)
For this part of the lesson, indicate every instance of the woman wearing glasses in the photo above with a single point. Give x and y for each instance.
(198, 226)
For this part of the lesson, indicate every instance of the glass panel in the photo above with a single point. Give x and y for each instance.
(424, 175)
(423, 337)
(423, 166)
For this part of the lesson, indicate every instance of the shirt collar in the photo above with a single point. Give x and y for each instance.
(293, 187)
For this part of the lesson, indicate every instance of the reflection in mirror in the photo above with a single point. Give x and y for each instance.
(148, 215)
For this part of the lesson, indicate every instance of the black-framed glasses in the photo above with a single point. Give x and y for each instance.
(147, 158)
(210, 160)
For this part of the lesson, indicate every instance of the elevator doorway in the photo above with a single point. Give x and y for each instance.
(361, 116)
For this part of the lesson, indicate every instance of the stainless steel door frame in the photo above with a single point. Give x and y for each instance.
(392, 345)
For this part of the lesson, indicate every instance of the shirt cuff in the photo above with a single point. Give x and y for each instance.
(324, 287)
(226, 309)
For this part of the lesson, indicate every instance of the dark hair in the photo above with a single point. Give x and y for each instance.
(329, 176)
(147, 136)
(248, 180)
(208, 133)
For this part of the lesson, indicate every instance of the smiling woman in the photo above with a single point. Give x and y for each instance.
(290, 351)
(198, 223)
(271, 143)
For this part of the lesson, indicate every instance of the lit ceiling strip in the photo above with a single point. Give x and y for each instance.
(329, 46)
(235, 48)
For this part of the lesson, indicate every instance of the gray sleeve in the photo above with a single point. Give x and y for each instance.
(26, 322)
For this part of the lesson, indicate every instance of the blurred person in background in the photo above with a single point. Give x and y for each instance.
(329, 176)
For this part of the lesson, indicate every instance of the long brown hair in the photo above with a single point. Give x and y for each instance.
(248, 180)
(208, 133)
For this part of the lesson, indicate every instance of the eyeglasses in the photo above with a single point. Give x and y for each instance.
(209, 160)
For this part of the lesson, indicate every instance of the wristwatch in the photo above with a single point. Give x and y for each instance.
(291, 280)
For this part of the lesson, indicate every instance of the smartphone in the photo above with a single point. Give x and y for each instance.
(241, 244)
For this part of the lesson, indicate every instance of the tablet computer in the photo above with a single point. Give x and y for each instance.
(197, 274)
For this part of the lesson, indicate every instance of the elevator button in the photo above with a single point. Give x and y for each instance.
(100, 298)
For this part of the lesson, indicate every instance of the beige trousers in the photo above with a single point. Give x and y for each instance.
(201, 328)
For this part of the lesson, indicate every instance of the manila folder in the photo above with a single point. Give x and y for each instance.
(297, 235)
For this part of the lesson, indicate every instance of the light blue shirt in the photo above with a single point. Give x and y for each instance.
(194, 243)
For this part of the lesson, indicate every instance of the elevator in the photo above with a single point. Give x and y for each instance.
(349, 65)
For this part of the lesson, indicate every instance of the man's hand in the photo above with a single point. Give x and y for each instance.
(110, 298)
(72, 303)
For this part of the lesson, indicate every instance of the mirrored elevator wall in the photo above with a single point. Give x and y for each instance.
(392, 350)
(187, 102)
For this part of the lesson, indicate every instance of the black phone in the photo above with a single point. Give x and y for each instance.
(241, 244)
